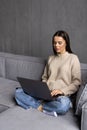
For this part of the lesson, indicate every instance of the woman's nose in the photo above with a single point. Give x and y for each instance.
(57, 44)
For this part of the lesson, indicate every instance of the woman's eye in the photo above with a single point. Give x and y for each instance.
(60, 43)
(57, 43)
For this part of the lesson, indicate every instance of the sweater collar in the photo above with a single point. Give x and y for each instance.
(61, 55)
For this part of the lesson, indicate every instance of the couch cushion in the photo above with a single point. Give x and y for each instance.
(2, 67)
(32, 119)
(24, 67)
(3, 108)
(81, 94)
(84, 73)
(81, 98)
(84, 117)
(7, 91)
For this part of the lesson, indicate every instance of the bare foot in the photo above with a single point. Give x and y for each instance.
(40, 108)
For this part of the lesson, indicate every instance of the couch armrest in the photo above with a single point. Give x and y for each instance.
(84, 117)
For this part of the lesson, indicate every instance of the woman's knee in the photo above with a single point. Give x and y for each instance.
(64, 104)
(23, 98)
(18, 92)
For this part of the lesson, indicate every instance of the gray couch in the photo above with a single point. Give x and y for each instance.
(12, 116)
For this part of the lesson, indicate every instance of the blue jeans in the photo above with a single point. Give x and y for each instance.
(61, 105)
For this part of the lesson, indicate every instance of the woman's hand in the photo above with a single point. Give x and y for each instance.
(55, 92)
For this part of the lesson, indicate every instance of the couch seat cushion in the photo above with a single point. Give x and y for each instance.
(3, 108)
(32, 119)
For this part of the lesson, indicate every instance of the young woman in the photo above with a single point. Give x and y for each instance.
(62, 74)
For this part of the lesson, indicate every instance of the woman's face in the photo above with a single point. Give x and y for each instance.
(59, 44)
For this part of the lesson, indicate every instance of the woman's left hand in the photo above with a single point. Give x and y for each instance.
(55, 92)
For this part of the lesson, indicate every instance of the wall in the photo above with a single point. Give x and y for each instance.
(27, 26)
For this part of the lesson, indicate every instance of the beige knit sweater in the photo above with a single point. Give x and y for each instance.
(63, 72)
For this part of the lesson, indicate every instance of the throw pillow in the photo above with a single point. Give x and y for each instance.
(81, 98)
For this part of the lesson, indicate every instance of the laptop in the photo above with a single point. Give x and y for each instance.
(35, 88)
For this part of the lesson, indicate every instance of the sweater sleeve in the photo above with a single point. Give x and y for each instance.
(46, 70)
(45, 75)
(76, 78)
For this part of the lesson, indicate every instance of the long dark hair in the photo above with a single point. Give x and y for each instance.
(65, 36)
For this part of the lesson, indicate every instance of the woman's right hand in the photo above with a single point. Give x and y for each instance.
(56, 92)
